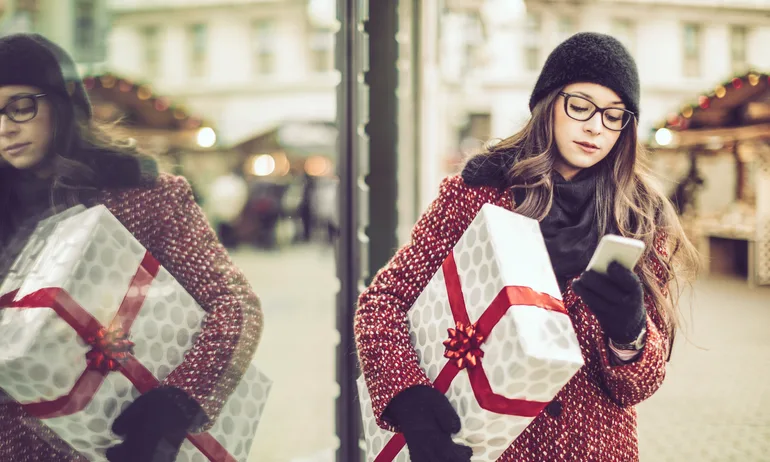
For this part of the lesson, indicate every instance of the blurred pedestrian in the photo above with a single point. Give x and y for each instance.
(54, 156)
(306, 209)
(577, 168)
(225, 203)
(326, 208)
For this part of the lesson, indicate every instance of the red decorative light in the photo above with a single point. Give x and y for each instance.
(737, 83)
(704, 102)
(162, 104)
(125, 86)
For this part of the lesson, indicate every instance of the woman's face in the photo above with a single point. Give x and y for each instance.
(26, 126)
(582, 144)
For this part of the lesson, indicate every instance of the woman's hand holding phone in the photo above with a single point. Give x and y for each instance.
(613, 291)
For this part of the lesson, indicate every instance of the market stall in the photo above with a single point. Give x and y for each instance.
(730, 122)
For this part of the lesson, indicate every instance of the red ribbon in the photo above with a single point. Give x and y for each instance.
(478, 333)
(110, 350)
(7, 298)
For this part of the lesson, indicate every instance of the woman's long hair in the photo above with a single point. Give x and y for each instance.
(627, 201)
(78, 157)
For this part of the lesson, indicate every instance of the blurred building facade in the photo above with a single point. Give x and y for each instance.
(79, 26)
(246, 64)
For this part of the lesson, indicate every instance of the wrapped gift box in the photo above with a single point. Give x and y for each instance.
(29, 254)
(11, 345)
(491, 332)
(91, 289)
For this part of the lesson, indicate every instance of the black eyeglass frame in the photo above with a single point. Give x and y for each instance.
(598, 109)
(14, 99)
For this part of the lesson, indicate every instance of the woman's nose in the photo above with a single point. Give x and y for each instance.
(594, 124)
(7, 126)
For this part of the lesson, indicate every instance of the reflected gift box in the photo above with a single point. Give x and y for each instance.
(89, 321)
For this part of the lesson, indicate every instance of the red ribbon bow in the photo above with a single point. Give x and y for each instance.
(464, 349)
(111, 350)
(464, 345)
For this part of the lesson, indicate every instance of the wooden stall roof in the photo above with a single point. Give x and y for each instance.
(742, 101)
(138, 106)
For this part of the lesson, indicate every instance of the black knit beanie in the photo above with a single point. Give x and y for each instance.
(31, 59)
(590, 57)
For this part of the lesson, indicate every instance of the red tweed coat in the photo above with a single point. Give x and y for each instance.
(168, 222)
(596, 420)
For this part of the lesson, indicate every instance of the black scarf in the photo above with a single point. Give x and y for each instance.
(32, 193)
(31, 197)
(570, 229)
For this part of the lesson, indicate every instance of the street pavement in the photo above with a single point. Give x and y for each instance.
(713, 406)
(715, 402)
(297, 290)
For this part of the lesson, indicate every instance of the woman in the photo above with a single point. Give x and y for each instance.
(577, 168)
(54, 156)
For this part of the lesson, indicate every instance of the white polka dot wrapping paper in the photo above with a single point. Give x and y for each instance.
(491, 332)
(25, 261)
(97, 321)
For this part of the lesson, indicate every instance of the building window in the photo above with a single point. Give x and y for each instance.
(566, 27)
(86, 44)
(198, 41)
(738, 42)
(29, 6)
(625, 31)
(151, 47)
(474, 43)
(321, 50)
(264, 47)
(532, 42)
(692, 50)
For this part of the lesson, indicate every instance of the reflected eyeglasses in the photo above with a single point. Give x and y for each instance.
(22, 108)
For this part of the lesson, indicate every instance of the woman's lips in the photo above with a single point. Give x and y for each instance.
(588, 148)
(16, 149)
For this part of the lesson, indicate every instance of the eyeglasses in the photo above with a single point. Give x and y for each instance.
(22, 108)
(582, 109)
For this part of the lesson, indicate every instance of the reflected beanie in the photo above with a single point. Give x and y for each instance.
(31, 59)
(590, 57)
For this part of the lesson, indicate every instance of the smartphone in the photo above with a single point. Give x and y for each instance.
(624, 250)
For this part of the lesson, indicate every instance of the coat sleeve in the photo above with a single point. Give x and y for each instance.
(188, 248)
(388, 359)
(630, 384)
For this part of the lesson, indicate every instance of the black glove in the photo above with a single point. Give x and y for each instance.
(616, 299)
(427, 421)
(154, 426)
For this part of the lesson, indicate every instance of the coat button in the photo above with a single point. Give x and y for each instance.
(554, 409)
